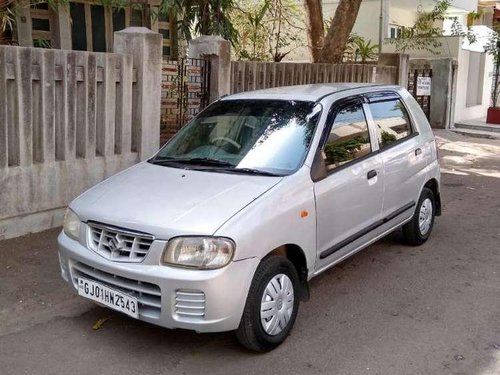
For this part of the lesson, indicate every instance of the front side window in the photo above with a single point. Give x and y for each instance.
(392, 121)
(245, 136)
(349, 138)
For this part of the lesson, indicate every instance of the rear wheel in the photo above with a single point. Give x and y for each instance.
(419, 228)
(271, 306)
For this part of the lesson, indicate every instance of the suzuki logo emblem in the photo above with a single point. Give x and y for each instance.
(115, 244)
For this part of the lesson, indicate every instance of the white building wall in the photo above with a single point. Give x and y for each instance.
(401, 16)
(464, 109)
(466, 5)
(450, 47)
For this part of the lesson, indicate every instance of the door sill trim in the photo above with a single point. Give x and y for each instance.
(359, 248)
(365, 231)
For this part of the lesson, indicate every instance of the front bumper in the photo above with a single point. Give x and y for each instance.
(216, 298)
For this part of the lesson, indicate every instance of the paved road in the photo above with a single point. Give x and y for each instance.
(391, 309)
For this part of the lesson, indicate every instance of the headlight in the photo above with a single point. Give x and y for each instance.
(71, 224)
(199, 252)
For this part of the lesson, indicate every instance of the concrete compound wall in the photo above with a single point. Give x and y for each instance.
(70, 119)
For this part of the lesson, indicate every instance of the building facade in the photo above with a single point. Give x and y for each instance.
(470, 68)
(87, 25)
(381, 19)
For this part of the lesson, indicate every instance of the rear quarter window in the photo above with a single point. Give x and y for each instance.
(392, 121)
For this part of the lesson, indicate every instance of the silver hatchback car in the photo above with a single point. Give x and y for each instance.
(224, 227)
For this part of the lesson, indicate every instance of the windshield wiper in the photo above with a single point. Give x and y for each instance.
(193, 161)
(219, 165)
(249, 171)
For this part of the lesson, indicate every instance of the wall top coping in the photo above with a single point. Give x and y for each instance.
(135, 30)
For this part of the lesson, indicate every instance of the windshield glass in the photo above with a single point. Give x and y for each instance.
(270, 136)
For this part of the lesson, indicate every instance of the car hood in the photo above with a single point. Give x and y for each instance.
(168, 201)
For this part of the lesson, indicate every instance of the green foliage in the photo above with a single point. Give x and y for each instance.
(474, 16)
(350, 48)
(386, 139)
(268, 29)
(252, 30)
(6, 16)
(340, 152)
(458, 30)
(42, 43)
(493, 49)
(365, 51)
(358, 49)
(424, 34)
(202, 17)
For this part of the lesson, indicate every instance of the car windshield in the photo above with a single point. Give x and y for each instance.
(268, 137)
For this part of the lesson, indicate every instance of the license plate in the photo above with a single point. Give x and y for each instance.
(108, 297)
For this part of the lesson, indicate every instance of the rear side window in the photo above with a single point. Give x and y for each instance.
(392, 120)
(349, 138)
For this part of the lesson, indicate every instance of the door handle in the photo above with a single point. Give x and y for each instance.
(371, 174)
(418, 151)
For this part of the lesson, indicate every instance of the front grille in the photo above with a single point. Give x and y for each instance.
(148, 295)
(190, 303)
(119, 244)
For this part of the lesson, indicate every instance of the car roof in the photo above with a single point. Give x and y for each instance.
(312, 92)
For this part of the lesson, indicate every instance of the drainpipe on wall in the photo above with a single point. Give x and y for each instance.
(381, 27)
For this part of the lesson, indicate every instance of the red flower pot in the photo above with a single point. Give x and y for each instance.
(493, 115)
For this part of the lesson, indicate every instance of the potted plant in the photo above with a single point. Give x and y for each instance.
(493, 49)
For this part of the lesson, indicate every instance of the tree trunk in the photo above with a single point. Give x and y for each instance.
(339, 31)
(205, 18)
(315, 28)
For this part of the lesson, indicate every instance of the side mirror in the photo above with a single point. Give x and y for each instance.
(318, 168)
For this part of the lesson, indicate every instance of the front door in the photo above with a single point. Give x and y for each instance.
(349, 199)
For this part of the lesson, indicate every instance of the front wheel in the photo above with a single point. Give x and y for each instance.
(271, 306)
(419, 228)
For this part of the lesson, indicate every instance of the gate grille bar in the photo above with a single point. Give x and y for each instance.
(185, 92)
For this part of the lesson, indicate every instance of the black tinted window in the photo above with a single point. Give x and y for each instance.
(392, 121)
(349, 138)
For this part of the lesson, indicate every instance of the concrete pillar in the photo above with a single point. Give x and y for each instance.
(442, 95)
(63, 27)
(23, 24)
(145, 46)
(218, 51)
(403, 70)
(399, 60)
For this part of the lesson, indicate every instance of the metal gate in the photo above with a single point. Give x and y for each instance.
(185, 92)
(413, 88)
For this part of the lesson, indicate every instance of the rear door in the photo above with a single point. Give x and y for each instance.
(402, 154)
(349, 198)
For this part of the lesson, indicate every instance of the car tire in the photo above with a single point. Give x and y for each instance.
(419, 228)
(272, 305)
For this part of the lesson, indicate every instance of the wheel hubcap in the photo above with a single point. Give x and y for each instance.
(425, 216)
(276, 307)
